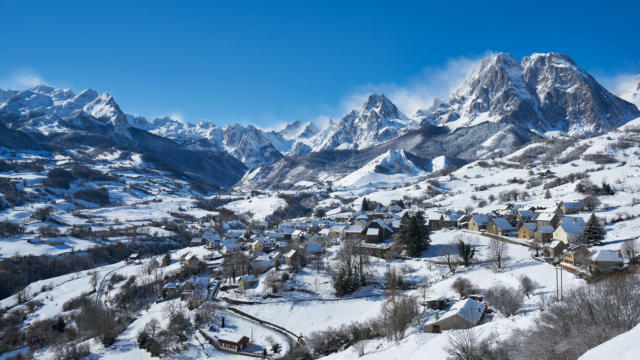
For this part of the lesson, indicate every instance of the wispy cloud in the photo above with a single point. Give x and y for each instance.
(620, 83)
(20, 79)
(420, 90)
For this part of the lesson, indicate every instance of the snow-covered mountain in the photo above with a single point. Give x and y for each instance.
(632, 92)
(249, 144)
(49, 106)
(298, 130)
(390, 167)
(46, 118)
(543, 92)
(377, 120)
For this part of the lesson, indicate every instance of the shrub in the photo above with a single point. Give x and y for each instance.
(97, 196)
(9, 228)
(59, 178)
(599, 158)
(43, 213)
(506, 300)
(463, 286)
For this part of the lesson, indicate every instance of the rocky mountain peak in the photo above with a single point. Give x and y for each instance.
(544, 92)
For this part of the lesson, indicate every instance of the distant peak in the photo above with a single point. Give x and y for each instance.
(375, 101)
(43, 89)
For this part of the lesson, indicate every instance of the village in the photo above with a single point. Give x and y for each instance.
(246, 265)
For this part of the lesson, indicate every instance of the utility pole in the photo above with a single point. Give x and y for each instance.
(561, 292)
(557, 289)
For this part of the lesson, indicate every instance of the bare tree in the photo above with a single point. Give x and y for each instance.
(170, 309)
(94, 280)
(450, 253)
(464, 345)
(497, 252)
(463, 286)
(23, 295)
(506, 300)
(346, 255)
(630, 250)
(397, 314)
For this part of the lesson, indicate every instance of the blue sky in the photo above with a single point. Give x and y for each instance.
(272, 62)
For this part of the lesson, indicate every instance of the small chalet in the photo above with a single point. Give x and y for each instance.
(55, 241)
(604, 260)
(263, 244)
(291, 256)
(197, 241)
(568, 233)
(336, 232)
(547, 219)
(314, 248)
(543, 234)
(499, 226)
(462, 315)
(353, 232)
(576, 255)
(554, 248)
(377, 231)
(235, 234)
(229, 247)
(191, 260)
(247, 281)
(575, 220)
(527, 230)
(211, 235)
(463, 221)
(566, 208)
(478, 222)
(262, 263)
(234, 343)
(524, 215)
(171, 290)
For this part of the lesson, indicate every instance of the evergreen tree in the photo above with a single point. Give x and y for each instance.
(466, 252)
(593, 231)
(416, 237)
(365, 205)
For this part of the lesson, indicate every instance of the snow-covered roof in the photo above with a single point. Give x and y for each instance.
(526, 213)
(354, 229)
(469, 309)
(338, 228)
(235, 233)
(381, 223)
(234, 338)
(480, 219)
(373, 231)
(314, 247)
(607, 255)
(570, 228)
(231, 245)
(502, 224)
(452, 217)
(553, 244)
(211, 235)
(545, 229)
(571, 205)
(290, 253)
(572, 220)
(545, 216)
(274, 234)
(248, 278)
